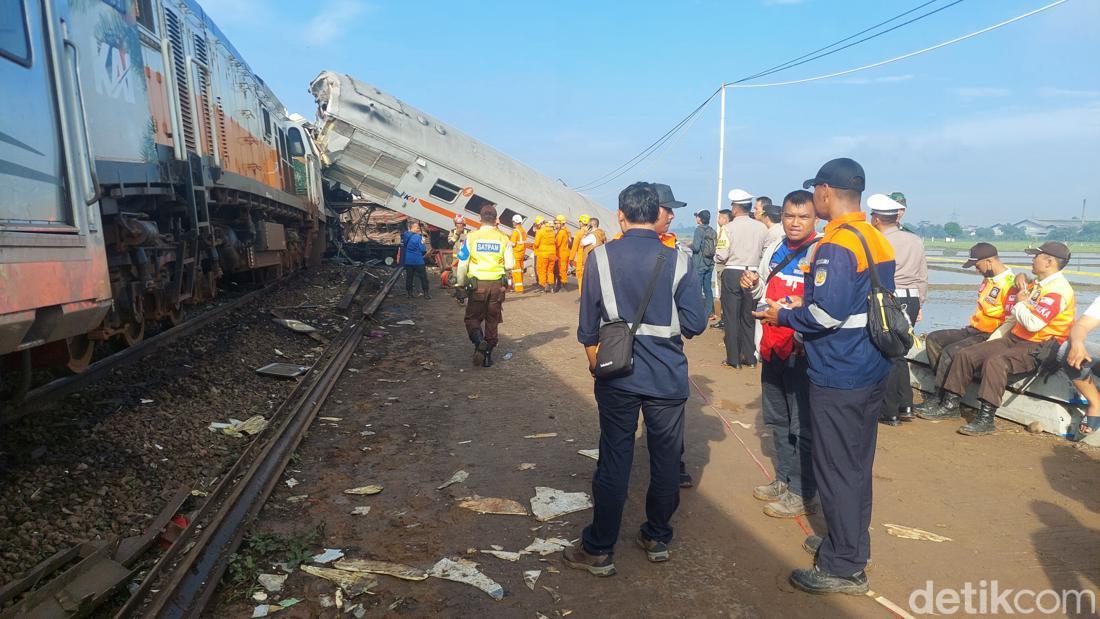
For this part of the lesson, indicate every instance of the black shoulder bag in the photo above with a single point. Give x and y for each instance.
(615, 352)
(888, 325)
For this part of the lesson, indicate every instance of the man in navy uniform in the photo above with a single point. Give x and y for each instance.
(847, 373)
(615, 279)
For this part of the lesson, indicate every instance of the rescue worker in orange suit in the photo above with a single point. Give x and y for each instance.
(1044, 311)
(993, 308)
(519, 252)
(545, 251)
(561, 241)
(575, 247)
(485, 263)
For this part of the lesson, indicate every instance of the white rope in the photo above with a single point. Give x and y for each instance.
(903, 56)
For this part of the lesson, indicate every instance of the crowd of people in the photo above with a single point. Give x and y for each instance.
(794, 297)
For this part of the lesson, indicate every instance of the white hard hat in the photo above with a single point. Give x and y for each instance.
(517, 218)
(739, 195)
(882, 203)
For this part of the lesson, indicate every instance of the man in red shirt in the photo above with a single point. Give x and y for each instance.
(783, 380)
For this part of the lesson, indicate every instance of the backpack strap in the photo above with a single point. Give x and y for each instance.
(871, 264)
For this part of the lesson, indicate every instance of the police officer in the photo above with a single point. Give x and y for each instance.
(484, 263)
(911, 281)
(771, 215)
(456, 238)
(746, 244)
(721, 254)
(615, 281)
(847, 374)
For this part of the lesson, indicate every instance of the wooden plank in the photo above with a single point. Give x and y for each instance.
(37, 573)
(353, 289)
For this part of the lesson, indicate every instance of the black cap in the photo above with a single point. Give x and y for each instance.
(980, 251)
(665, 197)
(1050, 248)
(840, 173)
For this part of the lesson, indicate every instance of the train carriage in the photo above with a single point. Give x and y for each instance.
(141, 161)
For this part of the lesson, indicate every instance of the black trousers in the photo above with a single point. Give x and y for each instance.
(785, 400)
(664, 423)
(845, 431)
(943, 345)
(899, 392)
(419, 272)
(740, 330)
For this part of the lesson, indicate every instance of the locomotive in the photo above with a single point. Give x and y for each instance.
(141, 163)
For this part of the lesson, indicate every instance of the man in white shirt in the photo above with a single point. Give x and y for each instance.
(746, 239)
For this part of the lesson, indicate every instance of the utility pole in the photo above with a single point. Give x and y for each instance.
(1083, 202)
(721, 148)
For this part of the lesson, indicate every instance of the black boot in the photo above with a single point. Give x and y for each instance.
(887, 419)
(487, 362)
(983, 421)
(949, 408)
(930, 403)
(480, 347)
(906, 414)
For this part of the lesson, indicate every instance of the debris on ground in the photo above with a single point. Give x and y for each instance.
(406, 322)
(457, 478)
(549, 503)
(545, 547)
(526, 466)
(466, 572)
(296, 326)
(259, 596)
(504, 554)
(590, 453)
(530, 577)
(272, 582)
(904, 532)
(353, 583)
(146, 401)
(543, 435)
(361, 510)
(235, 427)
(291, 482)
(397, 570)
(264, 610)
(282, 370)
(365, 490)
(332, 419)
(298, 498)
(489, 505)
(743, 424)
(507, 356)
(554, 595)
(328, 556)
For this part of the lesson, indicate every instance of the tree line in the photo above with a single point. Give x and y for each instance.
(1090, 232)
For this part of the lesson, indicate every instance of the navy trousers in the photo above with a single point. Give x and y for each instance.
(785, 402)
(845, 430)
(664, 423)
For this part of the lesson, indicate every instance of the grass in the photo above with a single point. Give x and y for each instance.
(1013, 246)
(259, 551)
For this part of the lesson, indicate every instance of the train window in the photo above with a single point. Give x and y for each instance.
(507, 215)
(476, 203)
(267, 122)
(15, 42)
(145, 15)
(297, 148)
(445, 191)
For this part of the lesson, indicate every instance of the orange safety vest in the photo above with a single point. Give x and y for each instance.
(544, 242)
(1055, 304)
(668, 239)
(574, 251)
(519, 245)
(561, 240)
(992, 296)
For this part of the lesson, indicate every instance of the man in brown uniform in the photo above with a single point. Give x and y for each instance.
(485, 261)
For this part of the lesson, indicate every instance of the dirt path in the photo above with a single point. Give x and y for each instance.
(1019, 508)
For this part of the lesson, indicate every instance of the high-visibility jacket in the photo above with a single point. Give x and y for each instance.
(668, 239)
(545, 246)
(723, 241)
(561, 241)
(1046, 310)
(519, 245)
(991, 312)
(575, 249)
(486, 255)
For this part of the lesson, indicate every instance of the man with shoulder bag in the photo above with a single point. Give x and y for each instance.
(638, 365)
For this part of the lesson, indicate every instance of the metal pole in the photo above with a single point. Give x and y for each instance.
(721, 146)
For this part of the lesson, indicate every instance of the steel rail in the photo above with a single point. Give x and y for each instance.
(182, 582)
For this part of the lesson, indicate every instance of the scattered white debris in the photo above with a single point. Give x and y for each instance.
(361, 510)
(272, 582)
(235, 427)
(367, 433)
(463, 571)
(542, 435)
(464, 442)
(530, 577)
(526, 466)
(504, 554)
(389, 380)
(353, 583)
(397, 570)
(259, 596)
(590, 453)
(405, 322)
(365, 490)
(298, 498)
(146, 401)
(549, 503)
(545, 547)
(332, 419)
(291, 482)
(326, 601)
(904, 532)
(742, 424)
(328, 556)
(457, 478)
(489, 505)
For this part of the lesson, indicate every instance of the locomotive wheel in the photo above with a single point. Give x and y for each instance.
(174, 318)
(80, 353)
(133, 333)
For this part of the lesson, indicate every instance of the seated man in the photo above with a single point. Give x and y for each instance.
(1081, 367)
(942, 345)
(1043, 312)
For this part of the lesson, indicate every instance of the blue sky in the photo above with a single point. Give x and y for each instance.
(997, 128)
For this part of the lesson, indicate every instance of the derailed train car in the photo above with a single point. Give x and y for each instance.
(387, 153)
(141, 161)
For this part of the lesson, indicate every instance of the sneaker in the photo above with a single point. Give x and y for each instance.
(770, 492)
(790, 505)
(655, 551)
(812, 543)
(820, 582)
(686, 480)
(597, 565)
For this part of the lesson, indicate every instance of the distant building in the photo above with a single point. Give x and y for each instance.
(1038, 228)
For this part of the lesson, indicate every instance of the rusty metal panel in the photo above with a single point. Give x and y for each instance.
(271, 237)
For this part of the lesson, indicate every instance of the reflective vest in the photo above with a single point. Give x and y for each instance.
(992, 297)
(668, 239)
(723, 240)
(561, 240)
(487, 247)
(1054, 303)
(611, 305)
(544, 242)
(519, 245)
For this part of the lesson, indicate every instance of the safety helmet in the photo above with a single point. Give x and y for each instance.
(560, 219)
(517, 218)
(539, 219)
(583, 219)
(458, 219)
